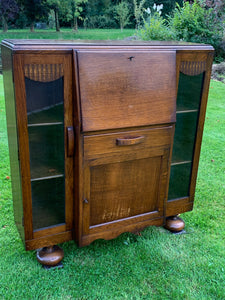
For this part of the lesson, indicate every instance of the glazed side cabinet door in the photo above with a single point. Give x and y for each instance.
(193, 77)
(43, 93)
(125, 181)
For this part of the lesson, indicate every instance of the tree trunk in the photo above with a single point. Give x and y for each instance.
(57, 20)
(75, 25)
(121, 27)
(32, 27)
(4, 24)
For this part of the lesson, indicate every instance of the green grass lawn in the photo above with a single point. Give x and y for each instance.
(69, 34)
(155, 265)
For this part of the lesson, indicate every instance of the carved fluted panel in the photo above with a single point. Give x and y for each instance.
(192, 67)
(43, 72)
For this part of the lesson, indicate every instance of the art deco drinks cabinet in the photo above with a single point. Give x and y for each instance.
(104, 137)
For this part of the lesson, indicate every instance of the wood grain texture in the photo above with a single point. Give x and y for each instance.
(125, 183)
(42, 46)
(120, 102)
(201, 121)
(117, 188)
(128, 141)
(43, 72)
(20, 62)
(24, 156)
(98, 144)
(48, 240)
(115, 231)
(70, 141)
(192, 68)
(178, 206)
(78, 157)
(10, 103)
(66, 61)
(117, 92)
(192, 63)
(49, 231)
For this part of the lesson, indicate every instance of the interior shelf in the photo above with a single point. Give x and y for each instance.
(186, 111)
(49, 115)
(179, 180)
(181, 163)
(185, 132)
(37, 175)
(48, 202)
(44, 124)
(46, 147)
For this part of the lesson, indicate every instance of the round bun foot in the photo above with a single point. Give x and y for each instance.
(50, 256)
(174, 224)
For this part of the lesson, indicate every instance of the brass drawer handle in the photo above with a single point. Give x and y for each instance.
(129, 141)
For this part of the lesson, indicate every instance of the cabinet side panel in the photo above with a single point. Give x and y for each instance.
(12, 138)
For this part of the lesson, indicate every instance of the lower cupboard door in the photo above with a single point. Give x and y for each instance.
(124, 193)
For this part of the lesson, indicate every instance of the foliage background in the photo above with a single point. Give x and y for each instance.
(201, 21)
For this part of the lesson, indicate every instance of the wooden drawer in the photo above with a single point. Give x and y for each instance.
(97, 145)
(126, 89)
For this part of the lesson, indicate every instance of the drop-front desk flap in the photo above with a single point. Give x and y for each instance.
(126, 88)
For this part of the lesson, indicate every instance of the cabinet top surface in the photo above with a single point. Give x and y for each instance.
(25, 44)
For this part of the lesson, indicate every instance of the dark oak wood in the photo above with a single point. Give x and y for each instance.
(174, 224)
(70, 141)
(49, 239)
(119, 117)
(50, 256)
(117, 92)
(13, 141)
(127, 141)
(193, 63)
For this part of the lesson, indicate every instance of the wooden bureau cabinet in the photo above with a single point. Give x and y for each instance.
(104, 137)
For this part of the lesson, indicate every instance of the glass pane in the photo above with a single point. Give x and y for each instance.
(189, 91)
(179, 181)
(48, 202)
(44, 101)
(45, 113)
(184, 139)
(46, 145)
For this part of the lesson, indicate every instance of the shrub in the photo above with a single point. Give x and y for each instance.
(101, 21)
(200, 24)
(155, 27)
(218, 72)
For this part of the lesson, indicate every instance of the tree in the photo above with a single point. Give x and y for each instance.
(35, 10)
(8, 10)
(74, 11)
(122, 14)
(55, 6)
(138, 12)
